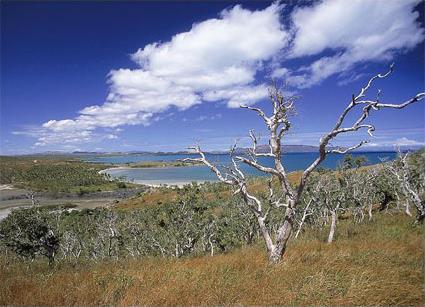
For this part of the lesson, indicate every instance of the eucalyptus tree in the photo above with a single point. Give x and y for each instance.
(409, 171)
(288, 198)
(364, 192)
(327, 194)
(309, 208)
(29, 233)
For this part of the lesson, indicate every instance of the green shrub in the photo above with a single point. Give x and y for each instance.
(29, 232)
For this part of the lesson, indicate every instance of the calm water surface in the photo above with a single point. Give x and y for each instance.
(180, 175)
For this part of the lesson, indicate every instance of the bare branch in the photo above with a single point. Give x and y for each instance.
(274, 202)
(235, 165)
(418, 97)
(254, 147)
(369, 105)
(258, 166)
(371, 80)
(204, 160)
(344, 151)
(259, 111)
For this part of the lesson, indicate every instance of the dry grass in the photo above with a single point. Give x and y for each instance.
(379, 263)
(168, 195)
(149, 198)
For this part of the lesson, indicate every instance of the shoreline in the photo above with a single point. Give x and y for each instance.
(155, 183)
(170, 184)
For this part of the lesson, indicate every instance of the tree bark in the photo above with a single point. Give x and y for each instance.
(277, 253)
(305, 214)
(407, 208)
(421, 214)
(333, 226)
(283, 235)
(369, 211)
(385, 202)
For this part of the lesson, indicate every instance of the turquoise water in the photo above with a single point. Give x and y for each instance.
(179, 175)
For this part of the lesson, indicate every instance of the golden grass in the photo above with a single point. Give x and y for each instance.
(378, 263)
(149, 198)
(168, 195)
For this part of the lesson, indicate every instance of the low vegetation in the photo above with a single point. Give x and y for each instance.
(55, 174)
(373, 263)
(354, 243)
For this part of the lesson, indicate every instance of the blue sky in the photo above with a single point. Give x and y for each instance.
(160, 76)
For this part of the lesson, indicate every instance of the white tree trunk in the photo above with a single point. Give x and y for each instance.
(407, 208)
(305, 214)
(334, 218)
(284, 233)
(369, 211)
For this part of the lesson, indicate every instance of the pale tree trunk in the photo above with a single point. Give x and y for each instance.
(283, 236)
(305, 214)
(406, 205)
(418, 203)
(403, 177)
(407, 209)
(369, 211)
(334, 219)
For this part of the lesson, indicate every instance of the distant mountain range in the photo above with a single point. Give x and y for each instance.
(239, 150)
(285, 149)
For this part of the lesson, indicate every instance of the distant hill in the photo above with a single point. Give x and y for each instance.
(285, 149)
(239, 150)
(290, 148)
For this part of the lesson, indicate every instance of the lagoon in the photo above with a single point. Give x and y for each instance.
(187, 174)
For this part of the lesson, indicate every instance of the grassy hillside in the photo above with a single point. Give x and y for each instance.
(217, 191)
(374, 263)
(54, 174)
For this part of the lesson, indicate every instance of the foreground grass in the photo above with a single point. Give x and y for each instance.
(376, 263)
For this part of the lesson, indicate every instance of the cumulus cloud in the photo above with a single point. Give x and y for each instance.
(219, 52)
(216, 60)
(64, 137)
(408, 142)
(237, 95)
(353, 32)
(400, 142)
(219, 59)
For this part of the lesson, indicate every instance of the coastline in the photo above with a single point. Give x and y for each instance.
(169, 184)
(120, 167)
(155, 183)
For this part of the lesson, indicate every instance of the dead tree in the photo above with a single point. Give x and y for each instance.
(400, 169)
(306, 214)
(278, 124)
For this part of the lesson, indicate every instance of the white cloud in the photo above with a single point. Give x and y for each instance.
(407, 142)
(216, 60)
(355, 32)
(201, 118)
(218, 52)
(64, 136)
(279, 72)
(400, 142)
(219, 60)
(237, 95)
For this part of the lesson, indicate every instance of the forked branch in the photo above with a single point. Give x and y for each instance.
(368, 106)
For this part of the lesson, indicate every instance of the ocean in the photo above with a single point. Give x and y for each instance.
(181, 175)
